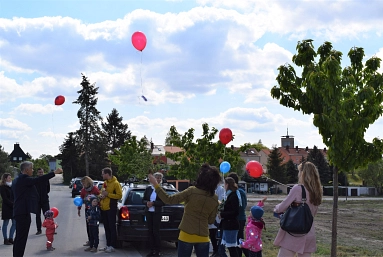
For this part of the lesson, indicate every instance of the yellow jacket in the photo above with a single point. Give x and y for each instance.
(113, 187)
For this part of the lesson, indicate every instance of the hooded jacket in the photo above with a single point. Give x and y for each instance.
(113, 187)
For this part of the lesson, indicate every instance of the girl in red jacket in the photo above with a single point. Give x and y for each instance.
(50, 226)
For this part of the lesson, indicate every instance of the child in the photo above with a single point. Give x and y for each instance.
(92, 216)
(254, 227)
(50, 226)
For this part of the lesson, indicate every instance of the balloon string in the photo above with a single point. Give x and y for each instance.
(53, 127)
(142, 88)
(267, 178)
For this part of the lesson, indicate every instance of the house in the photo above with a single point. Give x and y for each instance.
(17, 155)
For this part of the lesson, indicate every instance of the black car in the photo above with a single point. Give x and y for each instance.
(131, 219)
(76, 187)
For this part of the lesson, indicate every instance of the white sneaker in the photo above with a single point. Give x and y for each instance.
(109, 249)
(103, 248)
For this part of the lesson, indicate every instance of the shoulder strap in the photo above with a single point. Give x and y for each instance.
(303, 194)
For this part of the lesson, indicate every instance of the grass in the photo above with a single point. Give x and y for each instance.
(359, 228)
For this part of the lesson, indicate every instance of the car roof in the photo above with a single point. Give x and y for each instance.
(144, 186)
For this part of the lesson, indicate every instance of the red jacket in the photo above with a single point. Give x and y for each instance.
(50, 226)
(84, 194)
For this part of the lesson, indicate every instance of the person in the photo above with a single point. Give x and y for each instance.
(26, 202)
(213, 228)
(242, 211)
(50, 226)
(111, 192)
(43, 188)
(88, 188)
(255, 224)
(153, 214)
(7, 208)
(303, 246)
(200, 210)
(228, 214)
(93, 215)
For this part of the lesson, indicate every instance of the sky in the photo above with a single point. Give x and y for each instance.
(206, 61)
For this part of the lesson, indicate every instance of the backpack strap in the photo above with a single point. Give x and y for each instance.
(303, 194)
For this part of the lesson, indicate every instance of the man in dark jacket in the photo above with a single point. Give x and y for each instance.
(43, 188)
(26, 202)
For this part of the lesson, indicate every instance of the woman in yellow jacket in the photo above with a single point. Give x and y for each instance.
(201, 204)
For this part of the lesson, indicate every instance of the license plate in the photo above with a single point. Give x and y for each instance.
(165, 219)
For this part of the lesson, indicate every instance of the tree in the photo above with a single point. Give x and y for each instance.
(317, 158)
(115, 131)
(275, 168)
(88, 116)
(168, 138)
(257, 146)
(70, 157)
(203, 150)
(5, 164)
(40, 163)
(344, 103)
(373, 175)
(134, 158)
(291, 172)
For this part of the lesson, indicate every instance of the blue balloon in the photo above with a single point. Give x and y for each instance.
(224, 167)
(77, 201)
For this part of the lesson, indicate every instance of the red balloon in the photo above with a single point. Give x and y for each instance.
(55, 212)
(254, 169)
(139, 40)
(225, 135)
(59, 100)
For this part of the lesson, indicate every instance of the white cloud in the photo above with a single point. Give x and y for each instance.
(11, 123)
(36, 108)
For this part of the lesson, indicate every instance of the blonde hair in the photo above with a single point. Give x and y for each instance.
(87, 181)
(308, 176)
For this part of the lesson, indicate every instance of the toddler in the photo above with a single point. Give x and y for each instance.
(255, 224)
(50, 226)
(92, 216)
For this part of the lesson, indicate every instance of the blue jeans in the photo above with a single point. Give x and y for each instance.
(185, 249)
(11, 231)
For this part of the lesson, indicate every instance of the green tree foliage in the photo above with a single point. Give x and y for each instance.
(257, 146)
(5, 164)
(275, 167)
(316, 156)
(291, 172)
(69, 156)
(202, 150)
(40, 163)
(115, 131)
(372, 175)
(88, 116)
(344, 102)
(168, 138)
(133, 159)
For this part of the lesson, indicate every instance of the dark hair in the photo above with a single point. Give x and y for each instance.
(208, 178)
(107, 171)
(4, 178)
(231, 184)
(234, 176)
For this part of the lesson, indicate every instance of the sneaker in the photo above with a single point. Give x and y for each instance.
(103, 248)
(51, 249)
(38, 232)
(109, 249)
(86, 244)
(93, 250)
(88, 249)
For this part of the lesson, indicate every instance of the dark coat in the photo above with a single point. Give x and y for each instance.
(230, 212)
(158, 203)
(25, 193)
(7, 206)
(43, 188)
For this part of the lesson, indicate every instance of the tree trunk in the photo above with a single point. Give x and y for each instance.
(334, 213)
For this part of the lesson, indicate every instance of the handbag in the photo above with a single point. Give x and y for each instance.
(298, 218)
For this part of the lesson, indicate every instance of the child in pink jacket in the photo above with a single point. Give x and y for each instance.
(254, 227)
(50, 226)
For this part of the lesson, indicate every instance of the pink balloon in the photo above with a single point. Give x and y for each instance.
(139, 40)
